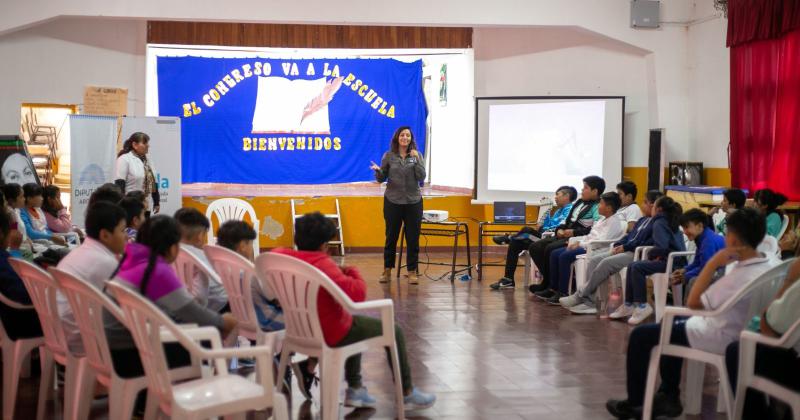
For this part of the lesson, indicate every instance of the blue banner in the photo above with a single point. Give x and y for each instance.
(285, 121)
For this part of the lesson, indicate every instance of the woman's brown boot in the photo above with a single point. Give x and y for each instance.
(386, 277)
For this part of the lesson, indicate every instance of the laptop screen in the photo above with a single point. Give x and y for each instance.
(509, 212)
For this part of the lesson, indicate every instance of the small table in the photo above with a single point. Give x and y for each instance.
(501, 228)
(445, 229)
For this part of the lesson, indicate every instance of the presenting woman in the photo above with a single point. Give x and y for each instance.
(404, 168)
(135, 172)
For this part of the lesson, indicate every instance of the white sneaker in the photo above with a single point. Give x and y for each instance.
(571, 300)
(583, 309)
(623, 311)
(640, 314)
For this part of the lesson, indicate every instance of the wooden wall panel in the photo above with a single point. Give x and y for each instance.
(306, 36)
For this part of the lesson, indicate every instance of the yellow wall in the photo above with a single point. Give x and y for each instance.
(362, 217)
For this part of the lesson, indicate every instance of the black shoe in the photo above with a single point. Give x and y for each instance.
(501, 239)
(545, 294)
(622, 409)
(504, 283)
(304, 379)
(536, 288)
(553, 300)
(666, 405)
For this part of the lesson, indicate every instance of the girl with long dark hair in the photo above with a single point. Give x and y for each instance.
(135, 172)
(768, 202)
(403, 169)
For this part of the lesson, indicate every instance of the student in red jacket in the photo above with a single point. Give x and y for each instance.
(340, 328)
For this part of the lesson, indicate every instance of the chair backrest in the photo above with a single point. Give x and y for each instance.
(187, 266)
(88, 304)
(42, 289)
(297, 285)
(784, 226)
(236, 274)
(762, 290)
(145, 321)
(231, 209)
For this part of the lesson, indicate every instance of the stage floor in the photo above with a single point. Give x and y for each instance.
(359, 189)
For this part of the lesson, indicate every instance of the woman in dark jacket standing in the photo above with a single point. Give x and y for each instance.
(404, 168)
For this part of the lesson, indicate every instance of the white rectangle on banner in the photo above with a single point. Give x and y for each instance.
(93, 142)
(164, 154)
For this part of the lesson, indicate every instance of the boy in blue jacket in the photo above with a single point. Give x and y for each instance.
(697, 227)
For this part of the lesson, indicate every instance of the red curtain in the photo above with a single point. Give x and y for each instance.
(765, 114)
(754, 20)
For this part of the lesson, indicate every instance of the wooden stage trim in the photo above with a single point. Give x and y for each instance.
(356, 189)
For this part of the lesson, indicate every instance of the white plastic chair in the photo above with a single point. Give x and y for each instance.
(219, 395)
(579, 267)
(760, 291)
(16, 354)
(747, 377)
(232, 209)
(784, 226)
(88, 304)
(42, 289)
(236, 274)
(187, 266)
(298, 285)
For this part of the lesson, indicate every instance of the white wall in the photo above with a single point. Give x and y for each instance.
(53, 62)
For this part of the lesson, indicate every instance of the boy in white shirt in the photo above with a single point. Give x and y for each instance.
(746, 229)
(194, 231)
(628, 210)
(610, 226)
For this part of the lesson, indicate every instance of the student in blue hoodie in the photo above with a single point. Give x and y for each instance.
(697, 227)
(667, 238)
(18, 323)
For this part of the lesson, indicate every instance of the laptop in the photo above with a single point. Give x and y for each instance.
(509, 212)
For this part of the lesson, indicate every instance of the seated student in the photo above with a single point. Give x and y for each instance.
(194, 230)
(93, 261)
(746, 229)
(15, 200)
(776, 364)
(768, 202)
(33, 217)
(563, 204)
(238, 236)
(667, 238)
(603, 264)
(57, 216)
(732, 199)
(106, 192)
(17, 323)
(146, 267)
(134, 210)
(578, 222)
(609, 227)
(697, 227)
(313, 231)
(629, 210)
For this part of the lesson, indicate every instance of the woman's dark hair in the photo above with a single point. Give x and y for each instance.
(736, 197)
(628, 188)
(234, 231)
(671, 211)
(748, 224)
(48, 193)
(106, 192)
(612, 200)
(137, 137)
(312, 230)
(771, 199)
(653, 195)
(132, 207)
(594, 182)
(159, 233)
(570, 191)
(31, 189)
(696, 216)
(11, 191)
(103, 216)
(395, 144)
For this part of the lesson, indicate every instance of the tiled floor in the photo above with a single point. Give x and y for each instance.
(487, 355)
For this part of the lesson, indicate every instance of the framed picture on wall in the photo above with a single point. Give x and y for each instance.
(686, 173)
(16, 165)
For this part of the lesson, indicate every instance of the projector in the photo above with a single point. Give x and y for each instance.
(434, 215)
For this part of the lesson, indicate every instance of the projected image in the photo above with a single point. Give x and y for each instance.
(537, 147)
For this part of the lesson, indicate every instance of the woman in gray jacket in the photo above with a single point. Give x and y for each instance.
(404, 168)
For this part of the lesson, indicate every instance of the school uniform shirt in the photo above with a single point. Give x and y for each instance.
(552, 221)
(131, 169)
(61, 222)
(774, 225)
(708, 243)
(784, 312)
(605, 229)
(713, 334)
(92, 262)
(630, 213)
(35, 223)
(582, 216)
(640, 235)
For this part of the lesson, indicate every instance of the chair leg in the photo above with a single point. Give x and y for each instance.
(13, 353)
(152, 409)
(650, 388)
(398, 381)
(280, 408)
(284, 364)
(84, 391)
(332, 370)
(724, 395)
(695, 371)
(660, 281)
(45, 382)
